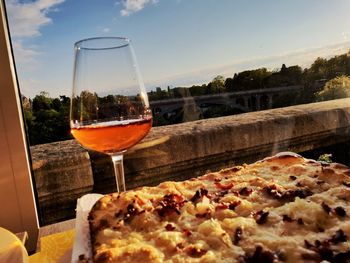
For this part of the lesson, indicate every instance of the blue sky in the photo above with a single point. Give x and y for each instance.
(177, 42)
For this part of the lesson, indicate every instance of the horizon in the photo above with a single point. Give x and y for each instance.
(177, 43)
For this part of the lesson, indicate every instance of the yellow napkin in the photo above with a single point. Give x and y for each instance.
(55, 248)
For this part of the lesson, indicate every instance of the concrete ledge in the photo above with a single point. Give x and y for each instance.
(185, 150)
(62, 173)
(182, 151)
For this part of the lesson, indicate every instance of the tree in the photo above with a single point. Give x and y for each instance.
(196, 90)
(336, 88)
(285, 77)
(229, 84)
(42, 101)
(89, 105)
(318, 69)
(56, 104)
(217, 85)
(251, 79)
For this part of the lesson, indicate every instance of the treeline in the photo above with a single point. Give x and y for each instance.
(47, 119)
(321, 70)
(247, 80)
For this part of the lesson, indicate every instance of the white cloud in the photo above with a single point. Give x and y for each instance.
(26, 19)
(133, 6)
(106, 30)
(24, 55)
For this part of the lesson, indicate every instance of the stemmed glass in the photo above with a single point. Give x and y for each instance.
(109, 106)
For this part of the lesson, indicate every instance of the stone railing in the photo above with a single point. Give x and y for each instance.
(63, 171)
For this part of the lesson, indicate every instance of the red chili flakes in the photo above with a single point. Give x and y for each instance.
(338, 237)
(198, 195)
(232, 206)
(186, 232)
(260, 255)
(131, 212)
(224, 186)
(245, 191)
(323, 249)
(221, 206)
(169, 227)
(219, 194)
(340, 211)
(217, 180)
(261, 217)
(171, 203)
(287, 218)
(326, 207)
(288, 195)
(180, 246)
(204, 215)
(238, 235)
(195, 252)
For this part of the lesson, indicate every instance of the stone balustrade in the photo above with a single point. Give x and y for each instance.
(64, 171)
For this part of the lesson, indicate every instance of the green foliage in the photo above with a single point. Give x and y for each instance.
(48, 119)
(196, 90)
(249, 80)
(41, 102)
(217, 85)
(325, 158)
(336, 88)
(88, 102)
(287, 76)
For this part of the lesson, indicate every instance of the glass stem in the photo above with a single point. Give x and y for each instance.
(119, 172)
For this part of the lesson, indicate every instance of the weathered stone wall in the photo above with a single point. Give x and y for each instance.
(182, 151)
(62, 173)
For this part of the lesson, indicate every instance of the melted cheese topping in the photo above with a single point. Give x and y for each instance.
(282, 209)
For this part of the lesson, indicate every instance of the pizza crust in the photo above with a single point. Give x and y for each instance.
(284, 208)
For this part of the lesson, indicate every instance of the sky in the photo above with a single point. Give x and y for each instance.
(177, 42)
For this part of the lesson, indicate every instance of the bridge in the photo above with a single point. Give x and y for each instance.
(241, 101)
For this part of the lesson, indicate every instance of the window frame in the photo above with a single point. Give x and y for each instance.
(19, 210)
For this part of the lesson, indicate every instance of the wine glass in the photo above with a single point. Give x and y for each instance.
(109, 106)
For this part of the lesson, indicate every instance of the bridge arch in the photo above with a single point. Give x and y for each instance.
(264, 102)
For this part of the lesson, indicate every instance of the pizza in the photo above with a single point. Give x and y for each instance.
(284, 208)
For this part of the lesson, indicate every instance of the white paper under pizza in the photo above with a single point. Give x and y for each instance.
(82, 245)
